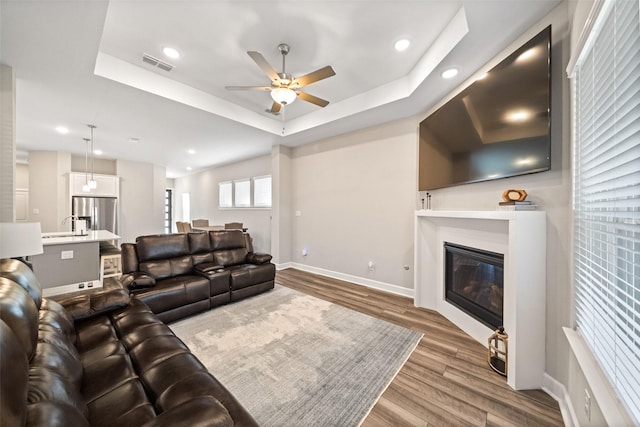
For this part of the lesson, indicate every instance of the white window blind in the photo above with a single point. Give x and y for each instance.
(225, 194)
(607, 196)
(242, 193)
(262, 191)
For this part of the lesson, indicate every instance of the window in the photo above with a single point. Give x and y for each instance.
(262, 191)
(606, 96)
(168, 210)
(242, 194)
(225, 194)
(246, 193)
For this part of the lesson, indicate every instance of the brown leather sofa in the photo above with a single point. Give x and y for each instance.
(98, 360)
(178, 275)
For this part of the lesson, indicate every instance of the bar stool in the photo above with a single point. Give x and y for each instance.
(110, 261)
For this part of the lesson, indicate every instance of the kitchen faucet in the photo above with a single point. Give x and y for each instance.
(73, 218)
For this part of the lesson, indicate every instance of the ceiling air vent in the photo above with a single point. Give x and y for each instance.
(156, 62)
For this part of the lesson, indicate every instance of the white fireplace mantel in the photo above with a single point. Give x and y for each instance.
(521, 237)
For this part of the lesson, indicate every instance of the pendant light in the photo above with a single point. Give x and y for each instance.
(85, 187)
(92, 182)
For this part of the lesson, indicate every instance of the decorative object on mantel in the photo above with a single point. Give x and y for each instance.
(514, 195)
(498, 349)
(514, 200)
(426, 197)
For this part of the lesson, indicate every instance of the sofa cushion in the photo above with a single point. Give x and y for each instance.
(20, 313)
(199, 243)
(246, 275)
(18, 272)
(54, 414)
(227, 239)
(228, 257)
(162, 246)
(95, 303)
(175, 292)
(48, 386)
(165, 268)
(14, 374)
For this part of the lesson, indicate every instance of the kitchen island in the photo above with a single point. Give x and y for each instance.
(69, 262)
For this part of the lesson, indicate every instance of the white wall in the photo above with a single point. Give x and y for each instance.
(142, 190)
(203, 190)
(356, 196)
(49, 201)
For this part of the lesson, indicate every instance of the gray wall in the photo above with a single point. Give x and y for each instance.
(356, 197)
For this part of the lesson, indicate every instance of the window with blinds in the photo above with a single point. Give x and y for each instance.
(606, 166)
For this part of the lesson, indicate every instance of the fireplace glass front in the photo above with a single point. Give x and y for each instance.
(474, 282)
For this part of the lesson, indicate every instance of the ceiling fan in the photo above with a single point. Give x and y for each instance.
(285, 88)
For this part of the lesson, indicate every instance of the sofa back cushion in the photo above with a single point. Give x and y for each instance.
(14, 372)
(164, 255)
(162, 246)
(19, 312)
(20, 273)
(200, 247)
(229, 247)
(164, 268)
(129, 258)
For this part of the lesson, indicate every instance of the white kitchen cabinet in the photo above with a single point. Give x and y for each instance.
(107, 185)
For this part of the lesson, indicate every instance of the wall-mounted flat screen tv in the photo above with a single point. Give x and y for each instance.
(497, 127)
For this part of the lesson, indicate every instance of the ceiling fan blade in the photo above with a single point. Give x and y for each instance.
(263, 88)
(315, 76)
(313, 99)
(275, 108)
(262, 63)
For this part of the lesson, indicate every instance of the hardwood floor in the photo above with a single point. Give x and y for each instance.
(446, 381)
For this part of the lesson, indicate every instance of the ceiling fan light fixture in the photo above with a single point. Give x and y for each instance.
(283, 95)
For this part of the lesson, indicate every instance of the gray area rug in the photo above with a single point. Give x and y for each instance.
(296, 360)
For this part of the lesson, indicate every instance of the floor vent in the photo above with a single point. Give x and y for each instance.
(156, 62)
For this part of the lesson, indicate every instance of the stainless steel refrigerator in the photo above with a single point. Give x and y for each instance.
(101, 213)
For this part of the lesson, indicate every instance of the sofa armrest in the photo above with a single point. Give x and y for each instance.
(258, 258)
(207, 268)
(137, 280)
(92, 304)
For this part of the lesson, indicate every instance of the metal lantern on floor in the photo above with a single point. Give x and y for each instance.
(498, 351)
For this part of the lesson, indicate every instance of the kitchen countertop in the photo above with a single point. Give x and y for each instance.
(67, 237)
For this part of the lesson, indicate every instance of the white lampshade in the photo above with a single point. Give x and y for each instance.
(93, 184)
(18, 239)
(283, 95)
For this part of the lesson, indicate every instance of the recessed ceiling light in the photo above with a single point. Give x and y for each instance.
(191, 151)
(171, 52)
(189, 168)
(62, 129)
(134, 140)
(450, 73)
(402, 45)
(97, 152)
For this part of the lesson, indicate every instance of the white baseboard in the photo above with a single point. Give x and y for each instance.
(559, 392)
(374, 284)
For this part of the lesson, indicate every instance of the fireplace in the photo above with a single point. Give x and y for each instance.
(474, 282)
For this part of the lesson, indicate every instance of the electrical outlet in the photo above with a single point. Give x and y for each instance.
(66, 255)
(587, 404)
(371, 266)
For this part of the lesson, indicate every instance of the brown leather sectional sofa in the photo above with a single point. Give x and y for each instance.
(100, 360)
(178, 275)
